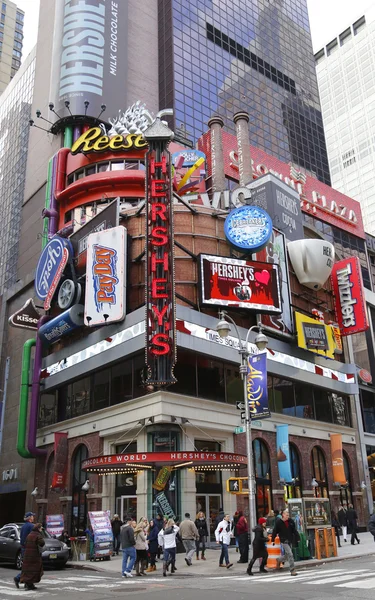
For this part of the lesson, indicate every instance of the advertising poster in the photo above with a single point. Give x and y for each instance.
(103, 536)
(256, 385)
(315, 336)
(55, 525)
(165, 508)
(283, 453)
(240, 283)
(317, 512)
(349, 296)
(275, 253)
(105, 300)
(296, 513)
(337, 459)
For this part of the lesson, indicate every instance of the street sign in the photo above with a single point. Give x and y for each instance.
(243, 416)
(234, 485)
(239, 429)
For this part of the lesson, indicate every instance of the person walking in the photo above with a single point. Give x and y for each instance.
(271, 518)
(243, 538)
(189, 535)
(289, 536)
(167, 540)
(201, 525)
(352, 518)
(223, 535)
(116, 530)
(236, 516)
(259, 546)
(26, 528)
(343, 520)
(152, 539)
(129, 553)
(336, 524)
(141, 546)
(32, 566)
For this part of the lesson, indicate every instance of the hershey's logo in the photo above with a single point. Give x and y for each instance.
(347, 301)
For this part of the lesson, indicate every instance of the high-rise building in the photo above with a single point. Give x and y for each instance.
(230, 55)
(11, 39)
(346, 78)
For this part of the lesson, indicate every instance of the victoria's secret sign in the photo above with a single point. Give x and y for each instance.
(160, 315)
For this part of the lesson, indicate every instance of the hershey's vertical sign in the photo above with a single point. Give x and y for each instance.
(160, 293)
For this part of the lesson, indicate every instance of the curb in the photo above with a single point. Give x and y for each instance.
(299, 564)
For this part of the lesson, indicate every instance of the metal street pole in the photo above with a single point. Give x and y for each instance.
(249, 447)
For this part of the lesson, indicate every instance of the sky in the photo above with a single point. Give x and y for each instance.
(328, 18)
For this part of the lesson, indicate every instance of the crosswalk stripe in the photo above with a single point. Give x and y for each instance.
(20, 592)
(365, 584)
(353, 575)
(302, 576)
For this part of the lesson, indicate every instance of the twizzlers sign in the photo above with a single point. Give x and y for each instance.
(160, 302)
(349, 296)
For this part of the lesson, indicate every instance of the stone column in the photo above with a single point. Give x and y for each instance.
(241, 121)
(217, 154)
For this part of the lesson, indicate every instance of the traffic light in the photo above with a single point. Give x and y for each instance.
(234, 485)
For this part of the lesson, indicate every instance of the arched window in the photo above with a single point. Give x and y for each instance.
(346, 497)
(319, 473)
(294, 490)
(262, 470)
(79, 499)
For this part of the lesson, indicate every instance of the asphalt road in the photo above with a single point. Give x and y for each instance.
(345, 580)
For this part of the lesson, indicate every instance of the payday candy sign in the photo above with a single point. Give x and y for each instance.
(50, 268)
(349, 296)
(240, 283)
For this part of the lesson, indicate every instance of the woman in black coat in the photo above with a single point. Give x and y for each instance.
(337, 527)
(259, 546)
(152, 538)
(201, 525)
(352, 518)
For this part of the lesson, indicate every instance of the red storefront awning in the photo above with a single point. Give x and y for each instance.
(140, 461)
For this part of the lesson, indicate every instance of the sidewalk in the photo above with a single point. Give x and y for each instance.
(210, 566)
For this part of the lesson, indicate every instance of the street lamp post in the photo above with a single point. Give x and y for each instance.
(261, 341)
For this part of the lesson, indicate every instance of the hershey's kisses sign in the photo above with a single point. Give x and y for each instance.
(349, 296)
(160, 293)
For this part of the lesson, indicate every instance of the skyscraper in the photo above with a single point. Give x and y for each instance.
(345, 70)
(11, 36)
(229, 55)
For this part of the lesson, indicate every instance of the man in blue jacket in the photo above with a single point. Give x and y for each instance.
(26, 528)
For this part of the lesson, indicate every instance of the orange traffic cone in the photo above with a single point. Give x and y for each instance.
(274, 553)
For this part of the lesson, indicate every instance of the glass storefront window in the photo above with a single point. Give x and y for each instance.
(121, 383)
(186, 374)
(101, 389)
(211, 382)
(339, 409)
(80, 397)
(322, 406)
(47, 409)
(164, 441)
(234, 384)
(283, 393)
(262, 469)
(304, 401)
(79, 498)
(370, 450)
(320, 473)
(368, 409)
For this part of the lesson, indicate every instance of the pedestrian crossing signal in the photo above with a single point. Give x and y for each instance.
(234, 485)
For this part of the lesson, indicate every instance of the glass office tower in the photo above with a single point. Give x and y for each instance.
(223, 56)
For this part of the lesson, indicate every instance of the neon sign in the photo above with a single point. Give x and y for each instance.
(93, 140)
(160, 307)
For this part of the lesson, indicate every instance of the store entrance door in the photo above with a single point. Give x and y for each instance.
(210, 504)
(127, 506)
